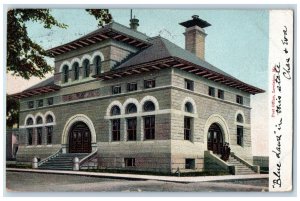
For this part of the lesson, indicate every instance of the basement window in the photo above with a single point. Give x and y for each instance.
(129, 162)
(189, 84)
(189, 163)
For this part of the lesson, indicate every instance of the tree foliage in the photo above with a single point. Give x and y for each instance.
(26, 58)
(12, 111)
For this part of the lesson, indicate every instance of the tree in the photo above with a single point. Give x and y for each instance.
(12, 111)
(26, 58)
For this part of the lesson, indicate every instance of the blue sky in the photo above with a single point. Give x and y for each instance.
(237, 41)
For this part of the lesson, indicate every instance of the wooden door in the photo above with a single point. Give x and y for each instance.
(215, 139)
(80, 139)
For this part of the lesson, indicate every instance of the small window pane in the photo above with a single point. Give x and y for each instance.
(220, 94)
(131, 108)
(149, 84)
(189, 107)
(116, 90)
(189, 84)
(211, 91)
(30, 104)
(39, 120)
(49, 119)
(149, 106)
(132, 86)
(115, 110)
(29, 121)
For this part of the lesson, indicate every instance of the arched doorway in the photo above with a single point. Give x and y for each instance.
(80, 138)
(215, 139)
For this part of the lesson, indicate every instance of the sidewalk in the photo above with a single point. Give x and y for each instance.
(146, 177)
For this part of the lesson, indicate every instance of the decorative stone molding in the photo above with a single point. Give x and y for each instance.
(86, 56)
(41, 115)
(62, 65)
(117, 103)
(149, 98)
(189, 99)
(53, 116)
(74, 60)
(70, 123)
(218, 119)
(134, 101)
(29, 116)
(97, 53)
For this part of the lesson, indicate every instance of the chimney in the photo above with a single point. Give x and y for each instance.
(195, 35)
(134, 23)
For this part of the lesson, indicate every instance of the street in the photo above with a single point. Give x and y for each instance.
(41, 182)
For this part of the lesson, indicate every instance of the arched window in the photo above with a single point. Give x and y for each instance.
(131, 108)
(149, 106)
(115, 110)
(97, 64)
(76, 70)
(240, 118)
(39, 120)
(86, 67)
(188, 107)
(49, 119)
(29, 122)
(66, 73)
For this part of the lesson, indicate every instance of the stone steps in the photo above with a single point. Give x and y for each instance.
(240, 168)
(62, 161)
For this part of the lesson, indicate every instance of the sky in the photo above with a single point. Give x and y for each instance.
(237, 43)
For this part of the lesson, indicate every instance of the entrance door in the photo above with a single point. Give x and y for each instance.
(80, 139)
(215, 139)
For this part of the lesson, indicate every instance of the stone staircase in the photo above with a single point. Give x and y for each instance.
(62, 161)
(240, 168)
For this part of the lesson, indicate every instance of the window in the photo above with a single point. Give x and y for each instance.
(240, 135)
(188, 107)
(116, 129)
(189, 84)
(131, 108)
(86, 67)
(65, 73)
(239, 118)
(50, 101)
(220, 94)
(39, 131)
(97, 63)
(149, 84)
(39, 120)
(189, 163)
(187, 128)
(49, 134)
(116, 89)
(29, 136)
(129, 162)
(29, 122)
(149, 106)
(30, 104)
(40, 103)
(131, 129)
(76, 71)
(149, 127)
(132, 86)
(239, 99)
(211, 91)
(49, 119)
(115, 110)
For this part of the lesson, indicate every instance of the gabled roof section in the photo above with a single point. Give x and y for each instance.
(42, 87)
(112, 30)
(165, 54)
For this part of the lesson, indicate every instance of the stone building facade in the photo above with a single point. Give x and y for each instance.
(139, 103)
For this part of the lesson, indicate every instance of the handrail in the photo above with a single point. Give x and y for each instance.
(255, 168)
(49, 157)
(82, 161)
